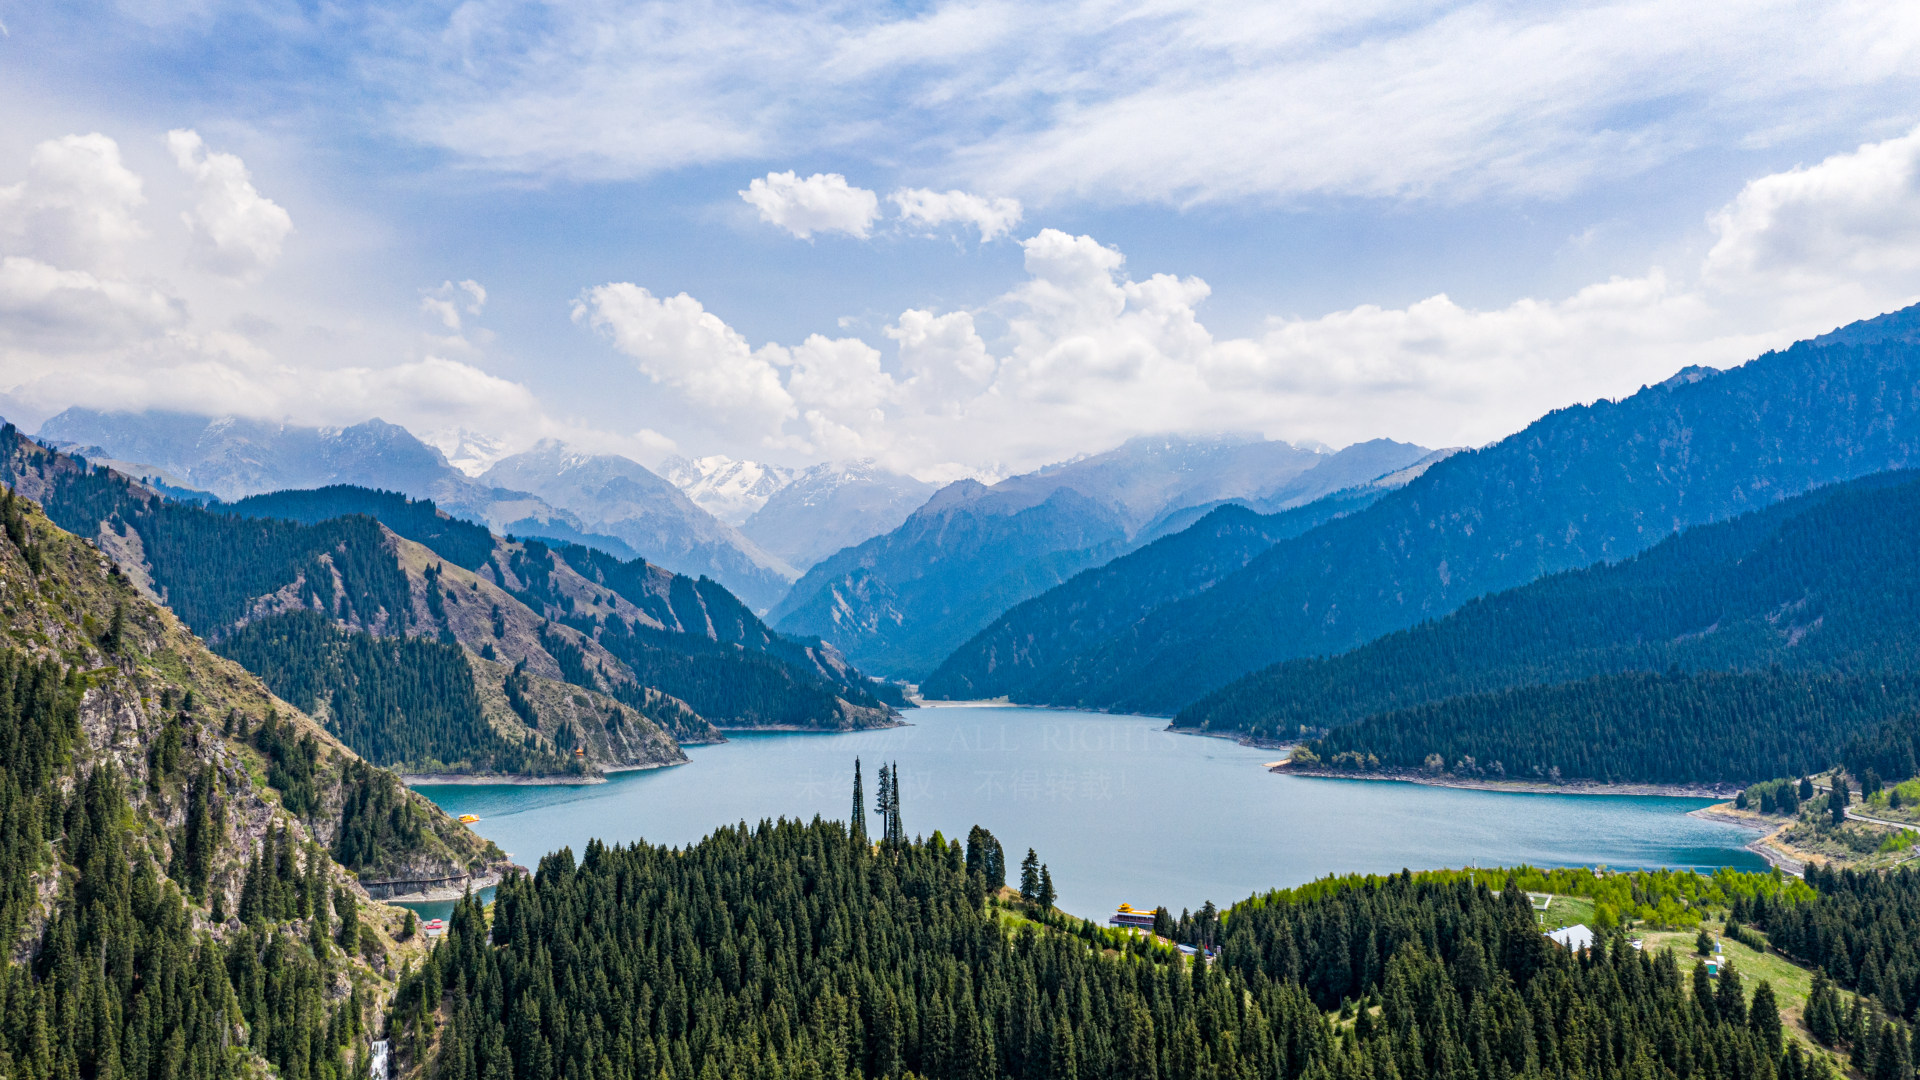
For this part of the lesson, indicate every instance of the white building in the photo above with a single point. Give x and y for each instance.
(1573, 937)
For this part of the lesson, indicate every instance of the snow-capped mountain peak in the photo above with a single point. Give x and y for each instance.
(728, 488)
(472, 452)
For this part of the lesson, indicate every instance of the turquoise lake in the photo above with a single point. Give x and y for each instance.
(1120, 809)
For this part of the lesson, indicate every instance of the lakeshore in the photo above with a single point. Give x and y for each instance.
(1103, 798)
(1512, 787)
(511, 780)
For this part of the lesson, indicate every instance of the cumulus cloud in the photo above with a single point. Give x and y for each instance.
(237, 231)
(47, 307)
(85, 320)
(676, 341)
(78, 206)
(1825, 234)
(821, 203)
(925, 208)
(1090, 356)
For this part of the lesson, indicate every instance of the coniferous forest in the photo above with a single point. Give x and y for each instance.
(803, 950)
(259, 577)
(1761, 646)
(173, 943)
(397, 701)
(175, 895)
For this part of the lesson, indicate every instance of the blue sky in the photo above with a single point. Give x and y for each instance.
(1324, 221)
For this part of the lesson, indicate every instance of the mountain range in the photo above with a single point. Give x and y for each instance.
(388, 618)
(1581, 485)
(609, 495)
(1022, 645)
(832, 506)
(1734, 651)
(601, 500)
(899, 603)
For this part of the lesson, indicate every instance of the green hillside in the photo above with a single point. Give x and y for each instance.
(1812, 606)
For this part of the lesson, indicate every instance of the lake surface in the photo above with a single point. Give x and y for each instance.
(1120, 809)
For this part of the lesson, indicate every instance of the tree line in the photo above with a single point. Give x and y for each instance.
(1673, 728)
(792, 949)
(1825, 585)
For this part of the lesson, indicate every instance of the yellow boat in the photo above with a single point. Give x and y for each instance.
(468, 819)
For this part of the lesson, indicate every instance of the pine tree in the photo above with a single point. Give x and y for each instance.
(896, 832)
(1703, 943)
(1030, 877)
(1822, 1014)
(117, 630)
(1730, 1001)
(1857, 1031)
(858, 823)
(1046, 896)
(348, 909)
(1764, 1017)
(1703, 990)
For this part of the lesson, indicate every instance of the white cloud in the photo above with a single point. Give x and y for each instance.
(926, 208)
(238, 232)
(1837, 232)
(448, 302)
(1091, 356)
(943, 357)
(44, 306)
(78, 207)
(1177, 101)
(94, 311)
(677, 342)
(823, 202)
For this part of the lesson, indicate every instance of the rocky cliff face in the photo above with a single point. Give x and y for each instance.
(209, 759)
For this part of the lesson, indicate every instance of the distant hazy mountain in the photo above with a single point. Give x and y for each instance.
(1580, 485)
(619, 497)
(899, 603)
(729, 489)
(832, 506)
(546, 492)
(233, 457)
(1015, 655)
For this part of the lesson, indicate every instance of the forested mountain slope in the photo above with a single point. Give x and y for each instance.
(1017, 652)
(1578, 486)
(575, 582)
(185, 861)
(223, 571)
(900, 603)
(191, 729)
(1826, 581)
(827, 956)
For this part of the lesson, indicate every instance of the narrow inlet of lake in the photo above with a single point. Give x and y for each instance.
(1120, 809)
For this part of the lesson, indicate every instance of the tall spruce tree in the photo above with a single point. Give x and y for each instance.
(895, 830)
(857, 824)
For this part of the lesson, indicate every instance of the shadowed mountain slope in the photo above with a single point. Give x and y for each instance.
(1579, 486)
